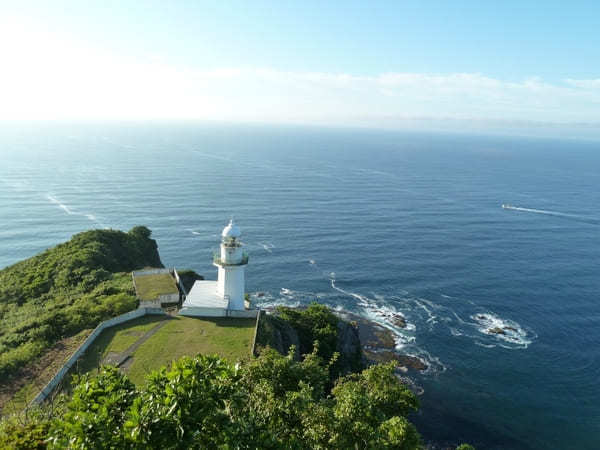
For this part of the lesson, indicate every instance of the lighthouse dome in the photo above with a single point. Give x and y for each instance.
(231, 230)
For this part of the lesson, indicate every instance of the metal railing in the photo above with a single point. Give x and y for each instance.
(217, 260)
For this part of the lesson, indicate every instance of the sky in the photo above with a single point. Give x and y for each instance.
(510, 65)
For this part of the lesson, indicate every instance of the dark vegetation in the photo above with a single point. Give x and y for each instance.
(271, 402)
(188, 277)
(66, 289)
(301, 328)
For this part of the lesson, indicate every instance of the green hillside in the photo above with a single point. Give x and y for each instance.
(66, 289)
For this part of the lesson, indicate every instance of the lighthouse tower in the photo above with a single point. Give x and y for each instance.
(231, 263)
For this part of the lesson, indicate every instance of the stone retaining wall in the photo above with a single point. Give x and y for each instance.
(54, 382)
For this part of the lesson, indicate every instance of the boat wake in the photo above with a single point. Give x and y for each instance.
(577, 217)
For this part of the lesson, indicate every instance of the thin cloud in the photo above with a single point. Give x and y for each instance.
(584, 84)
(49, 77)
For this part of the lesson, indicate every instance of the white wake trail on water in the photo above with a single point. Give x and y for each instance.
(72, 212)
(546, 212)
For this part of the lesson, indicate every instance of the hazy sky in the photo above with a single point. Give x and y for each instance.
(471, 64)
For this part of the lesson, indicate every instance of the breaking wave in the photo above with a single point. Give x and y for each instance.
(485, 328)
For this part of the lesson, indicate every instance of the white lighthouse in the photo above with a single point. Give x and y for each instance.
(232, 263)
(225, 296)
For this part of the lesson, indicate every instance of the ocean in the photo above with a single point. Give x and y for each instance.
(371, 222)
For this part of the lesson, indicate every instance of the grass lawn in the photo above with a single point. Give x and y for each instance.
(188, 336)
(181, 336)
(116, 339)
(149, 287)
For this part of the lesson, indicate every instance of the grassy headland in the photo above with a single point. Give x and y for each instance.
(67, 289)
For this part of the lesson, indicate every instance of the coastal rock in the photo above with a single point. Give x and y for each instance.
(408, 361)
(372, 335)
(496, 330)
(396, 318)
(399, 321)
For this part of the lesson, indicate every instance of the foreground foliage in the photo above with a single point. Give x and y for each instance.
(66, 289)
(271, 402)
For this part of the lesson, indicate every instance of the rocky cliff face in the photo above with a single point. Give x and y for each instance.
(349, 348)
(359, 343)
(277, 334)
(281, 335)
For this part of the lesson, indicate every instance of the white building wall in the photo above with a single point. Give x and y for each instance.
(234, 286)
(221, 281)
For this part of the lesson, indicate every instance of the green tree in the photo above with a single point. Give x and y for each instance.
(272, 402)
(186, 406)
(96, 414)
(370, 410)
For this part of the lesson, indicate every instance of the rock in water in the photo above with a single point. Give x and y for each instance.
(411, 362)
(399, 321)
(496, 330)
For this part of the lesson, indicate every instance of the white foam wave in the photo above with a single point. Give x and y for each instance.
(501, 329)
(378, 311)
(267, 246)
(484, 324)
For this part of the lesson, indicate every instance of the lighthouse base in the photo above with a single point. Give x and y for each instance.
(203, 300)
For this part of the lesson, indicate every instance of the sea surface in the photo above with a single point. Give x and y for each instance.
(368, 221)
